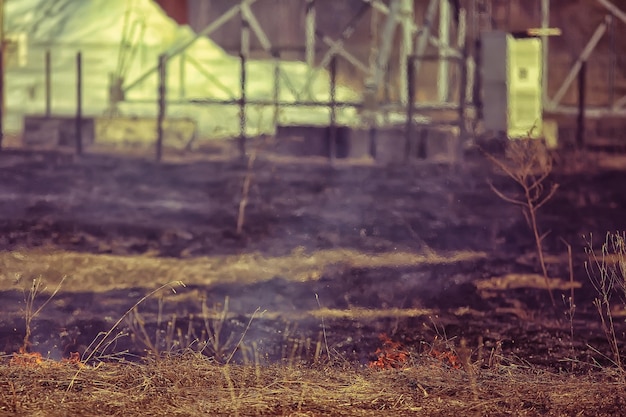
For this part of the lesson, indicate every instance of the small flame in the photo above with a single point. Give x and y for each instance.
(391, 356)
(26, 359)
(35, 360)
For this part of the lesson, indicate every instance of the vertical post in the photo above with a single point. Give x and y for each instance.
(276, 96)
(309, 27)
(463, 62)
(242, 107)
(406, 48)
(580, 131)
(478, 79)
(444, 41)
(2, 48)
(386, 45)
(545, 24)
(422, 41)
(332, 137)
(161, 93)
(48, 84)
(244, 51)
(182, 75)
(79, 103)
(410, 107)
(612, 63)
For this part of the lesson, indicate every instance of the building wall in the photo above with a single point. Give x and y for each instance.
(176, 9)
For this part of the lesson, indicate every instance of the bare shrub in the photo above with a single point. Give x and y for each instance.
(529, 164)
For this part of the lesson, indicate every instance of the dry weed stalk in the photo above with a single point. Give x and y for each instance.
(247, 179)
(528, 163)
(570, 301)
(214, 322)
(29, 312)
(245, 191)
(177, 340)
(319, 305)
(607, 273)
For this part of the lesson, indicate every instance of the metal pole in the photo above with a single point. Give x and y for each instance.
(386, 41)
(2, 100)
(276, 97)
(444, 39)
(617, 12)
(309, 27)
(580, 132)
(408, 21)
(410, 108)
(48, 84)
(244, 46)
(219, 22)
(463, 62)
(79, 103)
(161, 93)
(595, 38)
(477, 77)
(422, 42)
(545, 24)
(333, 99)
(181, 83)
(242, 107)
(244, 51)
(612, 63)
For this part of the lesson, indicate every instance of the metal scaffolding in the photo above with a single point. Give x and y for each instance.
(395, 20)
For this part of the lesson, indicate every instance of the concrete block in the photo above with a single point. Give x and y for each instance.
(56, 131)
(310, 140)
(178, 133)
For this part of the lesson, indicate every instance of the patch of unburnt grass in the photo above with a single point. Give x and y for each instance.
(437, 377)
(192, 384)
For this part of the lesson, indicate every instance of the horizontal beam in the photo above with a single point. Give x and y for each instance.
(253, 102)
(590, 113)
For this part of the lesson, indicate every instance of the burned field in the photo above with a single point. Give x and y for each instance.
(329, 259)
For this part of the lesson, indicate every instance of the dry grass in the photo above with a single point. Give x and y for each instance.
(194, 385)
(95, 273)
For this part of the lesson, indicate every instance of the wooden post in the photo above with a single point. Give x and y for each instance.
(161, 93)
(79, 103)
(410, 107)
(48, 69)
(580, 130)
(332, 137)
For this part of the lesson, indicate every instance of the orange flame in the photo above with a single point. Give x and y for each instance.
(391, 356)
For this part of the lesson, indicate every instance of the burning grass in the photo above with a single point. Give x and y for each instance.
(192, 384)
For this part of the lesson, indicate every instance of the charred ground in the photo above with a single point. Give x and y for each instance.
(421, 252)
